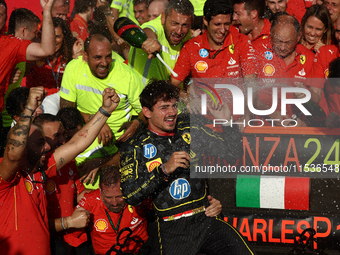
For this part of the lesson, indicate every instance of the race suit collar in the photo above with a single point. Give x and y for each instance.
(161, 133)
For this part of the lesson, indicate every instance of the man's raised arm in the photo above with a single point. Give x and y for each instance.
(36, 51)
(81, 140)
(151, 44)
(17, 138)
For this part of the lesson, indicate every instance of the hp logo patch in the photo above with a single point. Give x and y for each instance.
(268, 55)
(180, 189)
(203, 53)
(149, 150)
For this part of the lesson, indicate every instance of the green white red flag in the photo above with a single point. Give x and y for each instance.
(290, 193)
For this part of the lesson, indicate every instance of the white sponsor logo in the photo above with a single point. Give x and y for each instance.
(232, 61)
(134, 221)
(302, 72)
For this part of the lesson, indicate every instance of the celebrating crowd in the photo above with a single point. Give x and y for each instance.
(95, 134)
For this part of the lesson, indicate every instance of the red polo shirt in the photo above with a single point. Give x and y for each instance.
(265, 32)
(23, 221)
(325, 55)
(234, 60)
(61, 187)
(80, 26)
(270, 66)
(12, 52)
(102, 234)
(42, 74)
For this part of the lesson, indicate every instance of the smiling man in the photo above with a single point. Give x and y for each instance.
(155, 163)
(218, 53)
(140, 9)
(84, 81)
(166, 34)
(248, 18)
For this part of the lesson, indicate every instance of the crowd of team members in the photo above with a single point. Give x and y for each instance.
(84, 66)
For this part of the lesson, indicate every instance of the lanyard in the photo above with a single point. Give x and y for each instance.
(217, 52)
(34, 181)
(110, 220)
(55, 76)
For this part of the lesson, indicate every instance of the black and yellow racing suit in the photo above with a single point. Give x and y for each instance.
(142, 176)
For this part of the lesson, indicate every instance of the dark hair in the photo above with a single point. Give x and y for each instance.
(96, 37)
(183, 7)
(321, 13)
(158, 90)
(216, 7)
(81, 6)
(16, 101)
(146, 2)
(250, 5)
(66, 50)
(70, 117)
(43, 118)
(2, 2)
(109, 176)
(334, 73)
(290, 20)
(21, 17)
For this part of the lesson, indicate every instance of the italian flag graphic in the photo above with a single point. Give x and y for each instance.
(281, 192)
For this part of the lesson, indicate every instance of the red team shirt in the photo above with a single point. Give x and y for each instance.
(24, 218)
(42, 74)
(234, 60)
(264, 32)
(271, 66)
(80, 26)
(13, 51)
(61, 187)
(296, 8)
(323, 57)
(102, 234)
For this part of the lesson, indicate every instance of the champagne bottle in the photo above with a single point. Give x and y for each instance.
(135, 36)
(130, 32)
